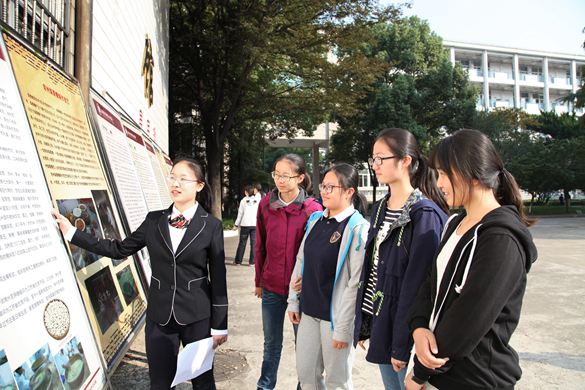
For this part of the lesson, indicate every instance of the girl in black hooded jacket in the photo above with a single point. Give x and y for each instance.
(469, 306)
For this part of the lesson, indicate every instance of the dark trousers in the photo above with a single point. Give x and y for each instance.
(246, 231)
(162, 349)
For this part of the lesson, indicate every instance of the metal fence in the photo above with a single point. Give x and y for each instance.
(44, 23)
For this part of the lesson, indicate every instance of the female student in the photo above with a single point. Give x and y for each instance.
(405, 229)
(282, 216)
(188, 294)
(246, 221)
(469, 306)
(330, 262)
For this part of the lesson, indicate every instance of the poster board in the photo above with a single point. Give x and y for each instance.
(165, 162)
(159, 174)
(43, 321)
(124, 175)
(114, 300)
(142, 163)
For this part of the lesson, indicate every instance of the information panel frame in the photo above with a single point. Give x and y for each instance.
(38, 282)
(114, 297)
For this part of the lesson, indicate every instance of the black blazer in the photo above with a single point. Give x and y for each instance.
(190, 283)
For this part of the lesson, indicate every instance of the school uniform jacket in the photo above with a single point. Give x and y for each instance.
(405, 255)
(191, 283)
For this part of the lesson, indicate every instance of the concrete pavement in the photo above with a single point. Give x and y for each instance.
(550, 338)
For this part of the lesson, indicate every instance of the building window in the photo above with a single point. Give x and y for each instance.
(43, 23)
(364, 180)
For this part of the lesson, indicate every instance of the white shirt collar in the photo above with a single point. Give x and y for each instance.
(298, 192)
(341, 216)
(188, 214)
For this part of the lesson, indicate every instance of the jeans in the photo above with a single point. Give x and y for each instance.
(392, 380)
(244, 232)
(273, 311)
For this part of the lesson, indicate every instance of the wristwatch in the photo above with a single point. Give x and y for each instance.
(417, 380)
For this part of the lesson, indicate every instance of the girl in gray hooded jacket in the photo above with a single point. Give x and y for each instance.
(327, 271)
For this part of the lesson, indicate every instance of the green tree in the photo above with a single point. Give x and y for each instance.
(420, 90)
(269, 61)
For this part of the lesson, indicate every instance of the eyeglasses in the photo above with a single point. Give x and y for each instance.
(182, 180)
(329, 188)
(379, 160)
(284, 178)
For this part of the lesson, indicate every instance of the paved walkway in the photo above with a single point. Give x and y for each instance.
(550, 338)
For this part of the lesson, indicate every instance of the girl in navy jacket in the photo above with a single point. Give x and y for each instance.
(405, 230)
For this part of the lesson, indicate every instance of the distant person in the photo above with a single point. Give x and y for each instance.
(282, 217)
(469, 306)
(330, 262)
(188, 293)
(561, 199)
(246, 221)
(258, 190)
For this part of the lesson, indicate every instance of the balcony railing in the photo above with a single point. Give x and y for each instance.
(474, 72)
(560, 80)
(495, 103)
(532, 78)
(500, 75)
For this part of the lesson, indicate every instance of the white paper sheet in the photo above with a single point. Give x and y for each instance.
(195, 359)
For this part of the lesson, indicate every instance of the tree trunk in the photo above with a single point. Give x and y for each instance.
(214, 156)
(567, 200)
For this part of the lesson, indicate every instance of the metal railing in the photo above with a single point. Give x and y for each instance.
(44, 23)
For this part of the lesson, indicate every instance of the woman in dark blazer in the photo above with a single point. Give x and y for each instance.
(188, 293)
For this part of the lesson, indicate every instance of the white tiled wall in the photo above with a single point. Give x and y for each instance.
(119, 30)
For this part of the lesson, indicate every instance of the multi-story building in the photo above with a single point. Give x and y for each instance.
(528, 79)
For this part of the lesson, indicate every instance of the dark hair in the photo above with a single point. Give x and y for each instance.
(472, 156)
(205, 196)
(348, 177)
(402, 143)
(258, 186)
(298, 164)
(249, 189)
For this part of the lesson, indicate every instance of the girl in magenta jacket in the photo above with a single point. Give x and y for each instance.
(282, 216)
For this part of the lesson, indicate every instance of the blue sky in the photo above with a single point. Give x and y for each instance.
(549, 25)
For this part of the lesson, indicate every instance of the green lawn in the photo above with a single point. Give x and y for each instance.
(552, 210)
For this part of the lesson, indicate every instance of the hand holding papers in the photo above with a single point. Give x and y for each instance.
(195, 359)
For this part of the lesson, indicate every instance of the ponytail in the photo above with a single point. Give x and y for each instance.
(360, 203)
(425, 179)
(348, 177)
(402, 143)
(508, 193)
(205, 196)
(298, 164)
(472, 156)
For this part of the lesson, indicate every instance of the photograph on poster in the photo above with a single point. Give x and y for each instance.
(104, 298)
(72, 365)
(106, 215)
(6, 379)
(38, 372)
(127, 284)
(81, 213)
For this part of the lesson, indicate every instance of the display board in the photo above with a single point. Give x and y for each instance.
(112, 295)
(43, 322)
(159, 174)
(125, 177)
(142, 163)
(165, 163)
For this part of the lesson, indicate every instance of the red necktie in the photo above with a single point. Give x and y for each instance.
(179, 222)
